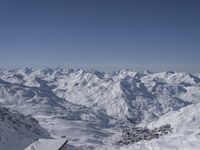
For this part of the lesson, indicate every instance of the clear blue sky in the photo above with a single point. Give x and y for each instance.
(140, 34)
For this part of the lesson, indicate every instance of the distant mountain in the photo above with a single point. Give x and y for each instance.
(64, 101)
(133, 95)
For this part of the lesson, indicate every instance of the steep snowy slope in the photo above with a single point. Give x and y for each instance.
(185, 136)
(17, 131)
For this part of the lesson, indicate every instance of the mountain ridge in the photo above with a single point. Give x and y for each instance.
(97, 100)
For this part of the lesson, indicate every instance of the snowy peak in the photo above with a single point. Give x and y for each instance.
(79, 102)
(134, 95)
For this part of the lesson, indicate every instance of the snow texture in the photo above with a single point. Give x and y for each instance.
(92, 107)
(17, 131)
(47, 144)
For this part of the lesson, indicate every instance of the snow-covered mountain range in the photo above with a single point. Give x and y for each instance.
(90, 107)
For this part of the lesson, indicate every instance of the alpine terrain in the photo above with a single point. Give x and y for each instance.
(97, 110)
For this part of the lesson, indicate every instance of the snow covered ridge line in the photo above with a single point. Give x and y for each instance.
(122, 90)
(87, 105)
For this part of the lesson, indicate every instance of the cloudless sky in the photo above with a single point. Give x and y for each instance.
(138, 34)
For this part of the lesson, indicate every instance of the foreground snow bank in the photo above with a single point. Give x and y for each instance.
(47, 144)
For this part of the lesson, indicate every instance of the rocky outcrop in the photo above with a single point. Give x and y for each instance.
(136, 134)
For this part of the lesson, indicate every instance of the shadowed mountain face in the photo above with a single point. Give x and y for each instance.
(18, 131)
(94, 99)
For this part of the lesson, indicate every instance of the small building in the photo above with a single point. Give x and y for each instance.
(48, 144)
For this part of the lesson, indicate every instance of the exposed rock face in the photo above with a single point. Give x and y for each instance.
(136, 134)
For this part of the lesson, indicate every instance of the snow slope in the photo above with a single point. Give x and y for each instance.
(88, 106)
(186, 131)
(48, 144)
(17, 131)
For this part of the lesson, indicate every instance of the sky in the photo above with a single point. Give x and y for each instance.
(136, 34)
